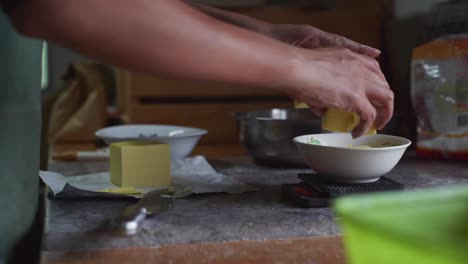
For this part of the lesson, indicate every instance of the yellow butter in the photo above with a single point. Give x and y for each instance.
(337, 120)
(140, 164)
(122, 190)
(299, 105)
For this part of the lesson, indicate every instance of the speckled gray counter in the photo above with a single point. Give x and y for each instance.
(72, 224)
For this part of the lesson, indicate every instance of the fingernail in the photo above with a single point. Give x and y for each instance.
(377, 52)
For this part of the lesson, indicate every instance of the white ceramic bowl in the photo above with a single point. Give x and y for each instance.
(181, 139)
(334, 160)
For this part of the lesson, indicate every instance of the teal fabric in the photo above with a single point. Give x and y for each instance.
(20, 126)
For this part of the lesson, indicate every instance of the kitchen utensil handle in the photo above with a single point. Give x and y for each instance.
(128, 222)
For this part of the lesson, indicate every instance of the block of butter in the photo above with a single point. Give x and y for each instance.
(337, 120)
(140, 164)
(300, 105)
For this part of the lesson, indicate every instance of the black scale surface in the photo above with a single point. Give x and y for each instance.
(315, 192)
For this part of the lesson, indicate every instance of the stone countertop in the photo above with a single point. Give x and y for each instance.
(72, 224)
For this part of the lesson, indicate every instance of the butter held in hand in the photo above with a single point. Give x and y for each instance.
(337, 120)
(140, 164)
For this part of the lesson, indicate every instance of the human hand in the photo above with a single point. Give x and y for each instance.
(338, 77)
(309, 37)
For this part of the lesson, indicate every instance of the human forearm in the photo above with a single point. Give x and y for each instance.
(246, 22)
(168, 36)
(161, 37)
(305, 36)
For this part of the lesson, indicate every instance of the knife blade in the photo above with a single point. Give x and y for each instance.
(154, 202)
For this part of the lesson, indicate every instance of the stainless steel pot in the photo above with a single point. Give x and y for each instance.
(267, 134)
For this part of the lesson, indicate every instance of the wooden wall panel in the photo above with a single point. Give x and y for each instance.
(165, 87)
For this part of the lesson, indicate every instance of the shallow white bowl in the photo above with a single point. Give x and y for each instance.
(334, 160)
(181, 139)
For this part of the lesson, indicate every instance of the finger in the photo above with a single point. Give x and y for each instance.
(357, 47)
(309, 42)
(376, 67)
(294, 43)
(337, 40)
(319, 112)
(372, 65)
(369, 63)
(376, 80)
(366, 73)
(366, 112)
(369, 51)
(305, 42)
(383, 100)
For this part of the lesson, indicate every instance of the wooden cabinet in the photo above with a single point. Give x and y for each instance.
(160, 100)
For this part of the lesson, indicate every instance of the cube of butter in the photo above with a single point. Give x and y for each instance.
(140, 164)
(337, 120)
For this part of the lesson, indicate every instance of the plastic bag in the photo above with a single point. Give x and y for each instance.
(439, 90)
(80, 108)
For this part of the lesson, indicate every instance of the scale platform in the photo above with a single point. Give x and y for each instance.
(313, 191)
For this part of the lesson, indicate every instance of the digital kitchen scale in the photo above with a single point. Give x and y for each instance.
(315, 192)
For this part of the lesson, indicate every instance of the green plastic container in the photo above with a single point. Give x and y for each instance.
(421, 226)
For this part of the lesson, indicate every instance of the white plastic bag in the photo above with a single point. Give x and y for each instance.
(439, 89)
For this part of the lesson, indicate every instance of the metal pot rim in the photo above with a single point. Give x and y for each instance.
(262, 114)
